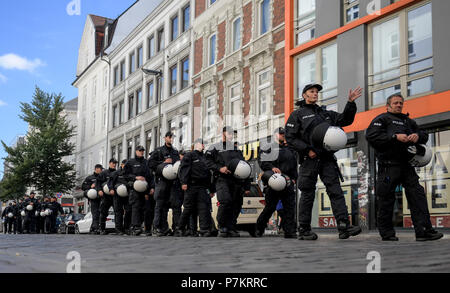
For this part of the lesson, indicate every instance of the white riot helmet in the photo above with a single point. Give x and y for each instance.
(169, 173)
(29, 207)
(42, 214)
(241, 169)
(10, 215)
(122, 190)
(140, 186)
(331, 138)
(277, 182)
(105, 188)
(419, 160)
(92, 194)
(48, 212)
(22, 213)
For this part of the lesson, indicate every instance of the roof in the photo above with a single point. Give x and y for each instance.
(72, 104)
(130, 19)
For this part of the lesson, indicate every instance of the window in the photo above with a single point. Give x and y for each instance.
(138, 101)
(129, 148)
(140, 56)
(132, 62)
(174, 28)
(131, 106)
(116, 75)
(137, 142)
(186, 18)
(150, 94)
(264, 16)
(148, 141)
(151, 46)
(351, 10)
(236, 34)
(320, 66)
(263, 94)
(121, 112)
(185, 73)
(209, 121)
(115, 116)
(119, 152)
(392, 69)
(211, 2)
(93, 123)
(235, 119)
(122, 70)
(306, 20)
(173, 79)
(212, 50)
(113, 152)
(160, 39)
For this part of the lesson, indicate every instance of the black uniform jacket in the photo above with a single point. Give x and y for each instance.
(381, 131)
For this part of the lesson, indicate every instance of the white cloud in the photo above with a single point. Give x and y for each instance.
(2, 103)
(13, 61)
(3, 78)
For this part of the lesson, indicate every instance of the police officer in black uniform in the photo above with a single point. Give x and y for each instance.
(91, 182)
(318, 161)
(7, 228)
(29, 219)
(391, 134)
(195, 179)
(19, 209)
(56, 208)
(229, 189)
(165, 189)
(122, 207)
(277, 157)
(137, 169)
(107, 200)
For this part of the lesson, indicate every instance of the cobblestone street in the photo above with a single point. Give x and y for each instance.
(271, 254)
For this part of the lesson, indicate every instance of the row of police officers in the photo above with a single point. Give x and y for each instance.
(143, 190)
(29, 215)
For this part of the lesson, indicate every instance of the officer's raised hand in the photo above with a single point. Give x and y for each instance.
(353, 95)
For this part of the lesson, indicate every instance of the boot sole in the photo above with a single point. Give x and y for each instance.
(431, 238)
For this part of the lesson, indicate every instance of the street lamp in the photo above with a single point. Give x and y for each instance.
(158, 73)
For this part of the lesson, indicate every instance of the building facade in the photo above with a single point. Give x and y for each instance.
(92, 82)
(385, 47)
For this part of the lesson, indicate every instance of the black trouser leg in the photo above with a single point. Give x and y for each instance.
(189, 207)
(307, 184)
(203, 210)
(48, 225)
(225, 210)
(137, 202)
(271, 198)
(9, 221)
(387, 181)
(149, 213)
(95, 211)
(288, 212)
(330, 177)
(38, 224)
(19, 224)
(53, 217)
(32, 222)
(415, 194)
(118, 212)
(162, 197)
(238, 201)
(176, 202)
(105, 204)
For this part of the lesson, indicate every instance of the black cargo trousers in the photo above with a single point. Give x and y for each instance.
(196, 202)
(107, 201)
(388, 178)
(230, 198)
(122, 209)
(328, 171)
(272, 197)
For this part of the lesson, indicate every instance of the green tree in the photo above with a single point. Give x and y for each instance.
(47, 143)
(13, 184)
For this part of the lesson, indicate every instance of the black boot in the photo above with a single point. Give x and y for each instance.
(306, 234)
(429, 235)
(346, 230)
